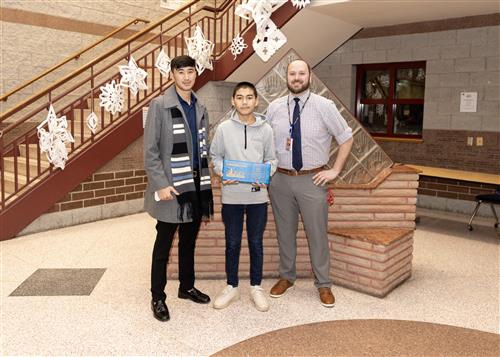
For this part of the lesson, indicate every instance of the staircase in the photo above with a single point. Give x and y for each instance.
(29, 184)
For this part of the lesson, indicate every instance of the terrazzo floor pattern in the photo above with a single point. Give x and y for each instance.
(455, 281)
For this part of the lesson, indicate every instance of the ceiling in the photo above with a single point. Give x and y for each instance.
(374, 13)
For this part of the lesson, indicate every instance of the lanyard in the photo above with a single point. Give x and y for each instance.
(300, 110)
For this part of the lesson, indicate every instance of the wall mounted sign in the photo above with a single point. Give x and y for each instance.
(468, 102)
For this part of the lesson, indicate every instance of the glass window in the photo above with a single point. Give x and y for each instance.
(376, 85)
(410, 83)
(390, 98)
(374, 118)
(408, 119)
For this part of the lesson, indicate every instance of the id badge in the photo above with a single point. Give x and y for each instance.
(288, 144)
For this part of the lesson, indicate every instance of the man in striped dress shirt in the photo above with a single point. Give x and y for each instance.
(304, 124)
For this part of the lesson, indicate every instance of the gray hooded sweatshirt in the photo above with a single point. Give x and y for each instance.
(235, 140)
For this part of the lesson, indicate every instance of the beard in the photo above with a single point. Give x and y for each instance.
(301, 89)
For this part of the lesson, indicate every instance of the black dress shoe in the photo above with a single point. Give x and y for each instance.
(160, 310)
(194, 295)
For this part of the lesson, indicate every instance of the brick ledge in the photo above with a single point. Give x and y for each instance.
(381, 236)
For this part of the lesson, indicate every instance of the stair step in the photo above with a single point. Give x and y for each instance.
(9, 183)
(21, 164)
(33, 149)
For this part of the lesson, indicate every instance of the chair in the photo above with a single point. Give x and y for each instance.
(492, 199)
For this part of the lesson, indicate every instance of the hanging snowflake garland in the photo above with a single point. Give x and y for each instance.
(111, 97)
(92, 121)
(238, 45)
(258, 10)
(52, 142)
(268, 38)
(133, 76)
(163, 63)
(268, 41)
(201, 50)
(300, 4)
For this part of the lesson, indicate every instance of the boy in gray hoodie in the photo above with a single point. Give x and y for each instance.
(245, 137)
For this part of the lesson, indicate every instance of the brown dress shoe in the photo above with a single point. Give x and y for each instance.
(326, 297)
(280, 288)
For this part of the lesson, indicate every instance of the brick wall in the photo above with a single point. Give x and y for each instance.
(457, 60)
(391, 205)
(105, 187)
(448, 149)
(454, 189)
(369, 266)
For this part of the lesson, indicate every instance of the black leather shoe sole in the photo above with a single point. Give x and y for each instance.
(183, 295)
(160, 318)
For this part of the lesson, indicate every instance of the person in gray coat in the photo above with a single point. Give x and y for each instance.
(178, 193)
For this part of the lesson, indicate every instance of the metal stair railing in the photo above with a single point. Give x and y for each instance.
(22, 164)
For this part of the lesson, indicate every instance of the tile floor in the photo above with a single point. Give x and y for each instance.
(455, 281)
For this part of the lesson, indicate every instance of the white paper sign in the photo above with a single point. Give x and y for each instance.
(144, 116)
(468, 102)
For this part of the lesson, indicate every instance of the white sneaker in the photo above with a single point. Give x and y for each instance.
(226, 297)
(259, 299)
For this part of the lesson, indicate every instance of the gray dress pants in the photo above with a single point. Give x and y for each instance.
(291, 196)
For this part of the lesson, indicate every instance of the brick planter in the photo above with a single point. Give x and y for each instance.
(372, 261)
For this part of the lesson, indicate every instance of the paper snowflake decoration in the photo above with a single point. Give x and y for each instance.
(268, 41)
(238, 45)
(111, 97)
(133, 76)
(200, 49)
(258, 10)
(52, 142)
(163, 63)
(268, 38)
(300, 4)
(92, 121)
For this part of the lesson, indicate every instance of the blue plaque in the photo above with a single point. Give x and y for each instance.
(244, 171)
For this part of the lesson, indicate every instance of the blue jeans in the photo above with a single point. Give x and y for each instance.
(232, 215)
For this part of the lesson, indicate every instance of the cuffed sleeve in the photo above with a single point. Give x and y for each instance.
(336, 124)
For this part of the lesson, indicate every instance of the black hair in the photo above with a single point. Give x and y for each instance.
(181, 62)
(245, 85)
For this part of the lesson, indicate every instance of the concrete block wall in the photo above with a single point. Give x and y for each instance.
(111, 12)
(457, 60)
(28, 50)
(30, 46)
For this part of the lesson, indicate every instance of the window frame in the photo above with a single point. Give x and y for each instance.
(391, 101)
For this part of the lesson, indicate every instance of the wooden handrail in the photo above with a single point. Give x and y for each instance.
(73, 74)
(74, 56)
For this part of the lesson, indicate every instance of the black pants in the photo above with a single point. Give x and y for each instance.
(161, 251)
